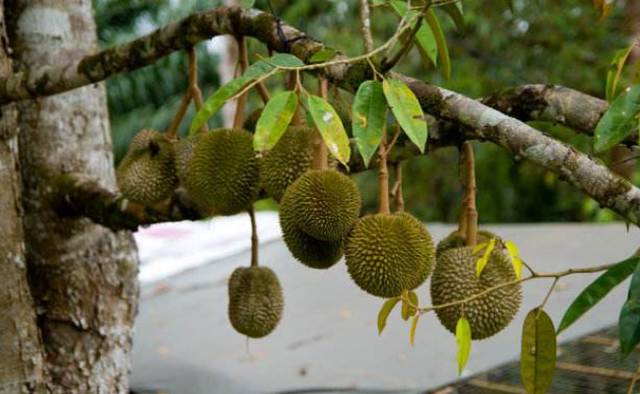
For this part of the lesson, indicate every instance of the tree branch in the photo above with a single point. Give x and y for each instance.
(469, 118)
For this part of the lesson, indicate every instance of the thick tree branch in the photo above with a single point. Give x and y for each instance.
(475, 118)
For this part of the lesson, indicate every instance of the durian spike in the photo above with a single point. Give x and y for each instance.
(462, 224)
(320, 151)
(243, 60)
(472, 213)
(396, 192)
(254, 237)
(196, 93)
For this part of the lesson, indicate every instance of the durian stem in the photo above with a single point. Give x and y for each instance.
(397, 188)
(320, 151)
(263, 92)
(196, 93)
(243, 59)
(472, 213)
(172, 131)
(254, 238)
(383, 178)
(462, 224)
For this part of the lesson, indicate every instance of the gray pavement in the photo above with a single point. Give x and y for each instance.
(328, 336)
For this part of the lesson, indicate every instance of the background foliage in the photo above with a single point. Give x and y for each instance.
(541, 42)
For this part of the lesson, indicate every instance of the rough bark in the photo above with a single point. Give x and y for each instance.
(82, 276)
(22, 364)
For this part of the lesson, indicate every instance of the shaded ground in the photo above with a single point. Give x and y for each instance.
(185, 344)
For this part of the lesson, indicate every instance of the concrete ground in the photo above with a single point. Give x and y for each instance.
(328, 337)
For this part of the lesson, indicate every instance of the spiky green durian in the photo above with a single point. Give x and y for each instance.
(324, 204)
(256, 302)
(286, 161)
(457, 240)
(454, 279)
(184, 153)
(147, 173)
(387, 254)
(223, 172)
(308, 250)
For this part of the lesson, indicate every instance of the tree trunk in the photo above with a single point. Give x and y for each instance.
(21, 366)
(82, 275)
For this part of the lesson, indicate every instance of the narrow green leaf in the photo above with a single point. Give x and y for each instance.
(424, 37)
(409, 308)
(484, 260)
(615, 69)
(629, 322)
(412, 333)
(323, 55)
(256, 70)
(369, 116)
(407, 110)
(441, 42)
(538, 352)
(463, 339)
(386, 309)
(597, 290)
(274, 120)
(331, 128)
(619, 120)
(455, 12)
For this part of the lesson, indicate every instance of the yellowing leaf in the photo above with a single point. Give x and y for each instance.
(479, 247)
(484, 260)
(513, 251)
(330, 126)
(409, 307)
(463, 339)
(386, 309)
(412, 333)
(615, 69)
(517, 266)
(274, 120)
(407, 111)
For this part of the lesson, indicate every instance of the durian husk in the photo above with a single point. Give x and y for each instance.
(458, 240)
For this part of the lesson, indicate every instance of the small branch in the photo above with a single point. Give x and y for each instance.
(254, 238)
(383, 178)
(196, 93)
(243, 59)
(365, 19)
(320, 151)
(634, 380)
(470, 196)
(389, 64)
(546, 298)
(263, 92)
(172, 131)
(462, 221)
(398, 196)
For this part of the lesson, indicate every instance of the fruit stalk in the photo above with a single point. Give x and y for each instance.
(196, 93)
(472, 213)
(397, 188)
(383, 177)
(243, 60)
(462, 224)
(320, 151)
(290, 83)
(254, 237)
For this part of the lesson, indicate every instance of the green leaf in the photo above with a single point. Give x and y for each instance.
(484, 260)
(538, 353)
(597, 290)
(386, 309)
(323, 55)
(615, 69)
(424, 37)
(455, 12)
(629, 322)
(463, 339)
(412, 333)
(274, 120)
(331, 128)
(369, 116)
(409, 308)
(255, 71)
(619, 120)
(248, 3)
(407, 110)
(441, 42)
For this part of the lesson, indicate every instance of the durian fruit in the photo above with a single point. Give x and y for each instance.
(256, 302)
(252, 120)
(147, 173)
(454, 279)
(312, 252)
(325, 204)
(184, 153)
(389, 253)
(286, 161)
(223, 172)
(458, 240)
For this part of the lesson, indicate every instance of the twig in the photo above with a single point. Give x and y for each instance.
(243, 60)
(462, 221)
(546, 298)
(196, 93)
(472, 212)
(397, 188)
(634, 380)
(389, 64)
(254, 237)
(365, 19)
(394, 139)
